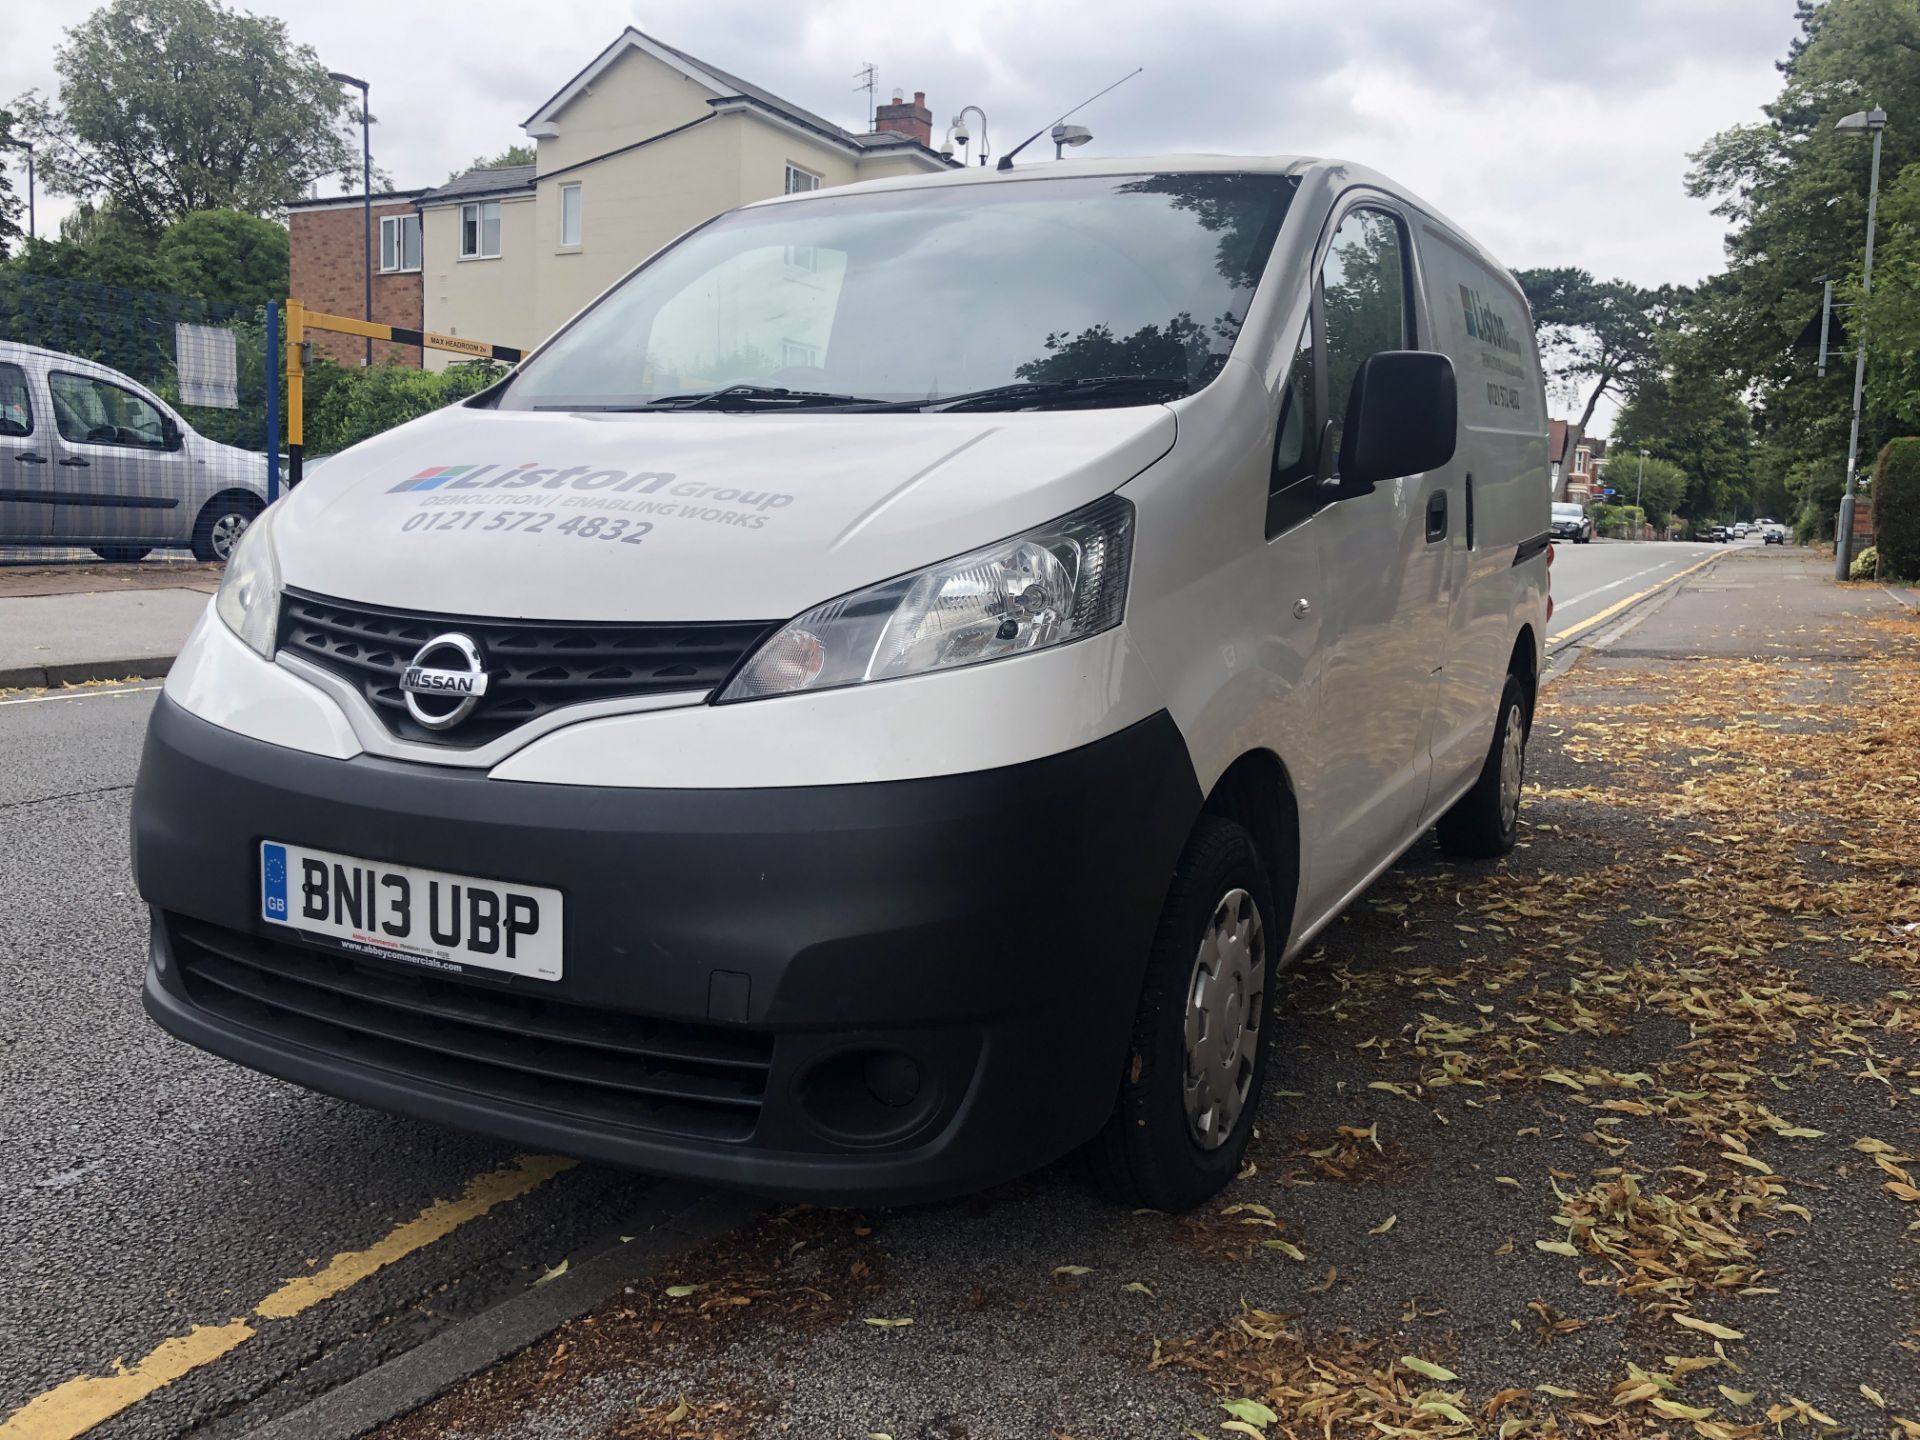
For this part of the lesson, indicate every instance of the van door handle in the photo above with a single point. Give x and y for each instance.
(1302, 608)
(1437, 516)
(27, 457)
(77, 461)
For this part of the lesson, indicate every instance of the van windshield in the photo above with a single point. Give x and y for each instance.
(1108, 290)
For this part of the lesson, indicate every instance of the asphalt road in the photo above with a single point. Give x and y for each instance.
(147, 1188)
(1590, 581)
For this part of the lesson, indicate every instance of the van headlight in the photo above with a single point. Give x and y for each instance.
(249, 596)
(1063, 581)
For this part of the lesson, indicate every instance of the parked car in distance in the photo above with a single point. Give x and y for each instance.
(621, 760)
(1571, 522)
(1740, 529)
(1775, 534)
(94, 460)
(1717, 534)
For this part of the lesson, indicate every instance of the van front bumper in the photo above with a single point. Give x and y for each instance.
(858, 993)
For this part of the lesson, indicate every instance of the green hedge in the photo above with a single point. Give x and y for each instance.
(1896, 508)
(347, 406)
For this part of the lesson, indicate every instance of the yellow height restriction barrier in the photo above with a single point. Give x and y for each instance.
(300, 320)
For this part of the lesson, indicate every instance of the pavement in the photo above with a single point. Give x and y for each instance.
(71, 624)
(1529, 1122)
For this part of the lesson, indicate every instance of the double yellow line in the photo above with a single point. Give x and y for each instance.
(73, 1408)
(1614, 609)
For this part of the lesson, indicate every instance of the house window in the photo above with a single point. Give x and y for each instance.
(569, 215)
(800, 181)
(399, 243)
(794, 353)
(480, 230)
(1580, 461)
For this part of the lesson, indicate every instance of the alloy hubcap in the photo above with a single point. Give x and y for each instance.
(1225, 999)
(226, 533)
(1513, 759)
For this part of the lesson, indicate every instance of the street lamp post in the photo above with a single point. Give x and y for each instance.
(1860, 122)
(1639, 488)
(366, 202)
(27, 146)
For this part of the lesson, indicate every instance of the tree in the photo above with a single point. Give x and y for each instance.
(520, 154)
(98, 245)
(11, 206)
(171, 106)
(1688, 411)
(1596, 337)
(225, 255)
(1795, 195)
(1659, 490)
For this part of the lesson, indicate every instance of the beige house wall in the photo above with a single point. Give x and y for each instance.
(633, 98)
(490, 300)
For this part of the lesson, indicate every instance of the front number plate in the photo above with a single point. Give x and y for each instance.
(401, 912)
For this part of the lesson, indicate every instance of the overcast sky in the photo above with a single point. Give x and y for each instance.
(1556, 131)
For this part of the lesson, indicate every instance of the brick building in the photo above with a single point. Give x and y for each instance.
(1576, 476)
(324, 240)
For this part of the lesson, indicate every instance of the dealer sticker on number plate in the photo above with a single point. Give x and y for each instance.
(424, 917)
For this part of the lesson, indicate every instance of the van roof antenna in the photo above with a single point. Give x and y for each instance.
(1006, 160)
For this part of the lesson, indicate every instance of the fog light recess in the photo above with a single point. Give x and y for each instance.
(867, 1097)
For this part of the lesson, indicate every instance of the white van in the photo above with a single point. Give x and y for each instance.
(871, 705)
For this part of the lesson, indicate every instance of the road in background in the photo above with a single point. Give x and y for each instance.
(1590, 580)
(147, 1187)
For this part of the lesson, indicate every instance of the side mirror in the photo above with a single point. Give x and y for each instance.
(170, 435)
(1402, 418)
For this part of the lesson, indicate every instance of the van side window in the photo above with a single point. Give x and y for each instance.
(1291, 493)
(91, 411)
(1364, 289)
(16, 405)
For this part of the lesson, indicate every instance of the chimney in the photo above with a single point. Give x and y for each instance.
(914, 121)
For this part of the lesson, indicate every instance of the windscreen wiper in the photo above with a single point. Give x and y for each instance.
(1089, 387)
(755, 397)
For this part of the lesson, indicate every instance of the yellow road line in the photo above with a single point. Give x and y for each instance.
(436, 1222)
(84, 1401)
(1619, 605)
(75, 1407)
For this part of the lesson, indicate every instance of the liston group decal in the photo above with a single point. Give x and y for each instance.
(533, 476)
(1486, 324)
(532, 499)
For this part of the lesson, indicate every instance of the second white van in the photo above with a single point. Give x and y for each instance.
(872, 705)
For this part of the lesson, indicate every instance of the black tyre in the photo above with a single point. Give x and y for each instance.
(222, 522)
(1485, 821)
(123, 554)
(1191, 1090)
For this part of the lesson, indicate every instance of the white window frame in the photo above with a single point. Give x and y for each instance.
(807, 180)
(579, 214)
(797, 353)
(480, 208)
(399, 222)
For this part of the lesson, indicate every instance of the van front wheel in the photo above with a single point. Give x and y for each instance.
(1484, 822)
(1191, 1089)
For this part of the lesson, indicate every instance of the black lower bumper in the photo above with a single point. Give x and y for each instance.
(860, 993)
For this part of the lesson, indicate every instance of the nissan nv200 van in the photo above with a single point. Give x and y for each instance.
(872, 705)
